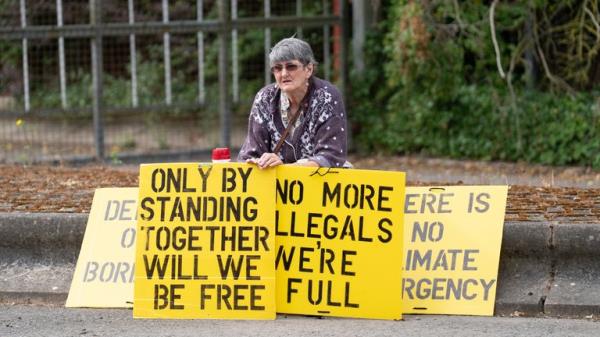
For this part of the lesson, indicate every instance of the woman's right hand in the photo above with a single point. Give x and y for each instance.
(266, 160)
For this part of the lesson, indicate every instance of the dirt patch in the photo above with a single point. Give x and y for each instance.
(52, 189)
(64, 189)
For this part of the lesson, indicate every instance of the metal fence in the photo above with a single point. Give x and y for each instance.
(109, 79)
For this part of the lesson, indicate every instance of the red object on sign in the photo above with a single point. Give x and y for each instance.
(221, 154)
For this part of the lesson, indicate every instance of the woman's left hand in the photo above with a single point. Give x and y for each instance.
(268, 160)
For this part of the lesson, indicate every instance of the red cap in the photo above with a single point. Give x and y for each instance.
(221, 153)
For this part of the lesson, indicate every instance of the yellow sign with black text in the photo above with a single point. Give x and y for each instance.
(206, 242)
(103, 275)
(339, 242)
(453, 236)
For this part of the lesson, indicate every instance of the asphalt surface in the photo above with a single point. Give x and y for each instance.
(31, 321)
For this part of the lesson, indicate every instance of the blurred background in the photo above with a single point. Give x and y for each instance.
(112, 80)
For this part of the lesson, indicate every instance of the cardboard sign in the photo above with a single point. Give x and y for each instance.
(452, 236)
(339, 242)
(103, 276)
(206, 241)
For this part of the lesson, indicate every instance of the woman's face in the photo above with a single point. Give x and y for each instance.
(291, 75)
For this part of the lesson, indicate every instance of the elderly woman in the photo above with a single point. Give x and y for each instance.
(299, 119)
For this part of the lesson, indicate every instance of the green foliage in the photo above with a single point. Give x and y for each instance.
(441, 93)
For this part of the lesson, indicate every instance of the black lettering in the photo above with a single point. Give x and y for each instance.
(223, 294)
(332, 196)
(436, 289)
(327, 260)
(185, 187)
(158, 180)
(239, 297)
(204, 175)
(483, 206)
(162, 292)
(243, 239)
(354, 202)
(408, 203)
(347, 302)
(161, 299)
(367, 196)
(244, 175)
(346, 262)
(312, 225)
(407, 287)
(330, 301)
(193, 238)
(361, 229)
(164, 233)
(128, 237)
(261, 234)
(290, 289)
(429, 204)
(486, 287)
(108, 209)
(230, 267)
(250, 213)
(281, 256)
(466, 286)
(327, 232)
(228, 177)
(423, 292)
(90, 271)
(173, 180)
(454, 288)
(319, 297)
(286, 191)
(155, 266)
(178, 241)
(421, 260)
(149, 215)
(254, 297)
(250, 266)
(203, 295)
(444, 203)
(469, 259)
(304, 259)
(388, 233)
(382, 198)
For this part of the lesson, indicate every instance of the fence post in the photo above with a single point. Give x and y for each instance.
(362, 12)
(26, 101)
(267, 45)
(225, 118)
(345, 29)
(97, 106)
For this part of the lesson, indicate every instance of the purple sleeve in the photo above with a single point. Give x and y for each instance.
(331, 143)
(258, 137)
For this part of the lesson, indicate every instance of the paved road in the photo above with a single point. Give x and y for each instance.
(34, 321)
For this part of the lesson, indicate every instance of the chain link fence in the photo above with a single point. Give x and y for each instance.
(108, 79)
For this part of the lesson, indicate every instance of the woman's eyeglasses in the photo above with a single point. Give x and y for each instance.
(289, 67)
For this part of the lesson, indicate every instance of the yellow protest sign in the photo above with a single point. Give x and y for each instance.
(452, 245)
(339, 242)
(206, 241)
(103, 276)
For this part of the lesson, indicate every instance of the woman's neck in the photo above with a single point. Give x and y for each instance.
(297, 96)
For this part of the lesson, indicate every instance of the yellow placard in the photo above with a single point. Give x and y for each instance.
(206, 241)
(103, 276)
(452, 245)
(339, 242)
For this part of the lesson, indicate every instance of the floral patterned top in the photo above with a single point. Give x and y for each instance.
(320, 137)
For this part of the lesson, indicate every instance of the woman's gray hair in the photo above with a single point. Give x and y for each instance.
(292, 49)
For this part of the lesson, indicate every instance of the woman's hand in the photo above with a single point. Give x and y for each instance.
(266, 160)
(306, 162)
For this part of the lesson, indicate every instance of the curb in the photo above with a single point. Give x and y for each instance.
(549, 268)
(546, 268)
